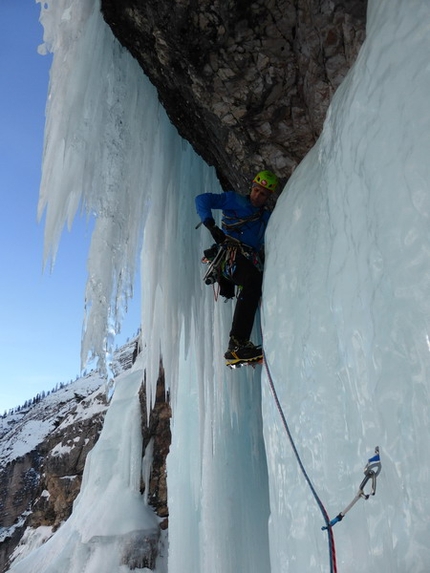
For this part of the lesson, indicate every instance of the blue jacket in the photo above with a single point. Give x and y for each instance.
(236, 209)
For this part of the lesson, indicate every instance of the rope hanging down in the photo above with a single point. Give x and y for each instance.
(371, 472)
(331, 545)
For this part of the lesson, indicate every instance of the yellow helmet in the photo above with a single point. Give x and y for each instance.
(266, 179)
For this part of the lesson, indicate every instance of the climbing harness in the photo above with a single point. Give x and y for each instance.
(221, 261)
(213, 258)
(371, 472)
(217, 259)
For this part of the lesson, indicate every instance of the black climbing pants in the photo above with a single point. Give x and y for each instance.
(250, 278)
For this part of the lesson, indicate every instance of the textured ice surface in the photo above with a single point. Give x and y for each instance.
(346, 312)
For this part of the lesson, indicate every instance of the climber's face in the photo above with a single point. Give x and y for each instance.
(259, 195)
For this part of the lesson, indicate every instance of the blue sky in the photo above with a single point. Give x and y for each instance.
(41, 313)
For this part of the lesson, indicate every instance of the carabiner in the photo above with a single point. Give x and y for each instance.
(371, 472)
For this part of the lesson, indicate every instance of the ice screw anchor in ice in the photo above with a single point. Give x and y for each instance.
(371, 472)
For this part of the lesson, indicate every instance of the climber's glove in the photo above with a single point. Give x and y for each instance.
(217, 234)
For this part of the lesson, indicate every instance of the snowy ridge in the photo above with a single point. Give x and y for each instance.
(61, 425)
(28, 428)
(111, 522)
(21, 431)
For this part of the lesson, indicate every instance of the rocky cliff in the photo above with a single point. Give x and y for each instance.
(247, 83)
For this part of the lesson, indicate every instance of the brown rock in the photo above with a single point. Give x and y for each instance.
(248, 83)
(156, 431)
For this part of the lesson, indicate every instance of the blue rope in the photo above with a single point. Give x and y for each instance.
(332, 550)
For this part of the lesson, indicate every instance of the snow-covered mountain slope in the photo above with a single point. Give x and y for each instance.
(26, 427)
(22, 431)
(112, 527)
(43, 448)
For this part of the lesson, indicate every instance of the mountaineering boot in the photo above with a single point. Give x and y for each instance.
(242, 351)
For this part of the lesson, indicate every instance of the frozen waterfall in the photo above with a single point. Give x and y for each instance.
(346, 321)
(345, 312)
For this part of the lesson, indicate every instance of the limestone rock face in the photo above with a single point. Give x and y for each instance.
(247, 82)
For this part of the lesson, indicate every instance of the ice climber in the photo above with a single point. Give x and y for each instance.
(244, 221)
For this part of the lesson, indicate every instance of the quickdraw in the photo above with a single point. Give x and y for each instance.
(221, 259)
(211, 275)
(371, 472)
